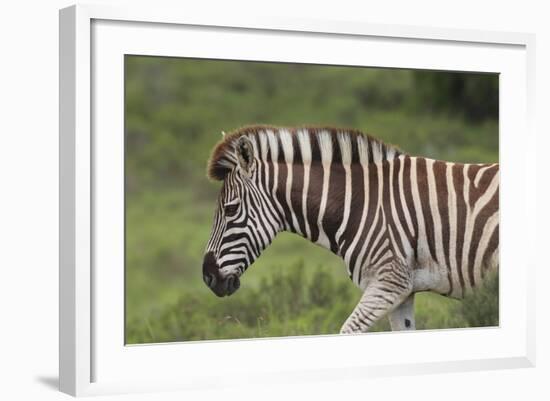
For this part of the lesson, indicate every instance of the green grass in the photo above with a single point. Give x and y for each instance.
(295, 302)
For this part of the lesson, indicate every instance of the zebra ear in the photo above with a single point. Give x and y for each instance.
(245, 154)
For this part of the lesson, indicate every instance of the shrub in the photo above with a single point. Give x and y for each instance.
(292, 303)
(286, 303)
(480, 307)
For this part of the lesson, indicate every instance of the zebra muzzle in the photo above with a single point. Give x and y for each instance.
(211, 276)
(222, 287)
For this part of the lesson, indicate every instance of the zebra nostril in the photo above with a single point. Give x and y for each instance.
(210, 280)
(229, 284)
(232, 284)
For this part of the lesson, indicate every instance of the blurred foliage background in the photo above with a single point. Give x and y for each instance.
(175, 110)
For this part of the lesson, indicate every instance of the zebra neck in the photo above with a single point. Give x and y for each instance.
(318, 201)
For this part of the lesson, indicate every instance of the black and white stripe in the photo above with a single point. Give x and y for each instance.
(401, 224)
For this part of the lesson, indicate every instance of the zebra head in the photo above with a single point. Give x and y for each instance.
(239, 232)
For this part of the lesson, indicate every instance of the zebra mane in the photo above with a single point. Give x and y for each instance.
(304, 144)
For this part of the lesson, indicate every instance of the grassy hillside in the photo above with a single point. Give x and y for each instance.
(175, 111)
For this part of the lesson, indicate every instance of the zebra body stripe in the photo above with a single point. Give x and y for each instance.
(401, 224)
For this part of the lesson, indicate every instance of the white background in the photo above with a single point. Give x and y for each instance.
(328, 356)
(29, 187)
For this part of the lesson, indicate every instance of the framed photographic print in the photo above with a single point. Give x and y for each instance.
(296, 197)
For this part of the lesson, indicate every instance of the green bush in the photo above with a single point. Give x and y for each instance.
(288, 303)
(480, 308)
(473, 96)
(292, 303)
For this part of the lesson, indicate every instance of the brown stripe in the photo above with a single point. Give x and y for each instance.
(386, 204)
(375, 247)
(385, 262)
(487, 176)
(280, 217)
(440, 175)
(334, 212)
(397, 199)
(372, 247)
(297, 185)
(315, 150)
(281, 196)
(480, 220)
(491, 248)
(458, 179)
(314, 193)
(409, 203)
(356, 208)
(424, 192)
(296, 195)
(369, 251)
(371, 211)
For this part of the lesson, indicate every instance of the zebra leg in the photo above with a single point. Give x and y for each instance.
(390, 287)
(402, 317)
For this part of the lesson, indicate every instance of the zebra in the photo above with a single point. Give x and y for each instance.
(401, 224)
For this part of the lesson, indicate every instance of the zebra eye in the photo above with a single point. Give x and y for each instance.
(231, 210)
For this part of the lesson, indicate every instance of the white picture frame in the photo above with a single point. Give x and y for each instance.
(93, 357)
